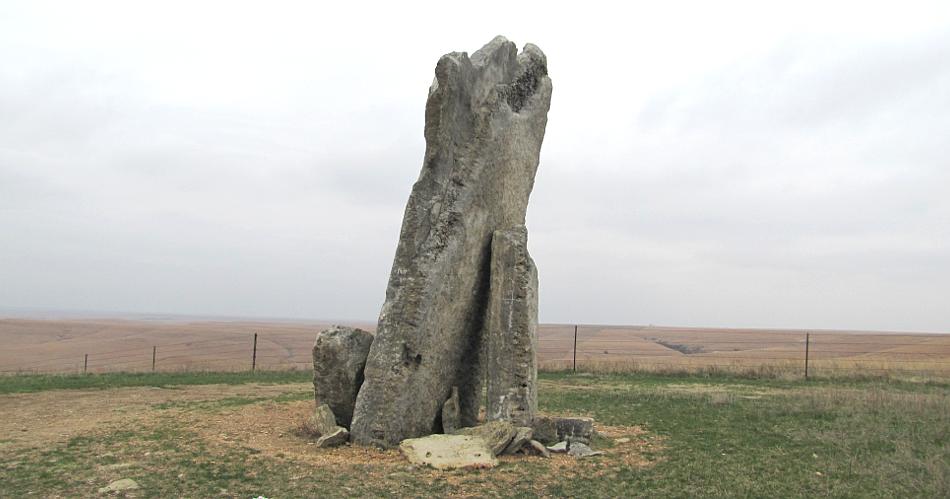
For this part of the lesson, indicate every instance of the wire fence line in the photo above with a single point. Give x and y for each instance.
(571, 348)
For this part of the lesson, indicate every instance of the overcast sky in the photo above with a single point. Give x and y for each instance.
(709, 163)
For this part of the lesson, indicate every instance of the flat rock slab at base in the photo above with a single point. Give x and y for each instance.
(120, 485)
(580, 450)
(335, 438)
(497, 434)
(449, 452)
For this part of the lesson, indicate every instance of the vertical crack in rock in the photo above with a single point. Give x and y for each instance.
(511, 335)
(484, 123)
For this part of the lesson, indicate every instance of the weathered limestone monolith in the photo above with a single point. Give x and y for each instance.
(339, 355)
(484, 123)
(511, 335)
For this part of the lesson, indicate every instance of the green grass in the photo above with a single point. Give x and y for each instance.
(27, 383)
(709, 436)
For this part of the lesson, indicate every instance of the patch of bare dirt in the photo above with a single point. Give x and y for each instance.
(54, 416)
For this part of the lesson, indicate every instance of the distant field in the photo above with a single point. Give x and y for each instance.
(38, 345)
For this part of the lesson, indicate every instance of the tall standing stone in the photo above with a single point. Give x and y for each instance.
(511, 363)
(484, 123)
(339, 355)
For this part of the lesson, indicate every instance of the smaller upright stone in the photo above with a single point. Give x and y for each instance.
(450, 412)
(512, 329)
(339, 356)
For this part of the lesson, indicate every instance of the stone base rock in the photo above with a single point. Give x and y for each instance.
(339, 356)
(323, 422)
(497, 434)
(539, 448)
(335, 438)
(545, 429)
(522, 437)
(558, 448)
(447, 452)
(575, 429)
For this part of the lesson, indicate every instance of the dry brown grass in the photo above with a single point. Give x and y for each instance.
(124, 345)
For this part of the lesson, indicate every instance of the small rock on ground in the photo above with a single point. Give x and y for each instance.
(559, 447)
(337, 437)
(118, 485)
(583, 450)
(539, 448)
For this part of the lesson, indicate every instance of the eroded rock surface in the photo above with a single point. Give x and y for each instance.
(450, 412)
(339, 355)
(484, 123)
(446, 452)
(498, 434)
(511, 363)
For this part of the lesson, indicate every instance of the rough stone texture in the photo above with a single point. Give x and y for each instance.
(446, 452)
(323, 421)
(578, 449)
(450, 412)
(539, 448)
(498, 434)
(339, 355)
(338, 436)
(120, 485)
(575, 429)
(511, 361)
(522, 437)
(485, 120)
(560, 447)
(545, 429)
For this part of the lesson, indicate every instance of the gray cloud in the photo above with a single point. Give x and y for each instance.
(778, 174)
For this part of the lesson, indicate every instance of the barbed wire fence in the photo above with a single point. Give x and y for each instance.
(567, 348)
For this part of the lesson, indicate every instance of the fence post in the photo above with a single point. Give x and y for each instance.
(85, 363)
(575, 348)
(254, 355)
(807, 342)
(154, 348)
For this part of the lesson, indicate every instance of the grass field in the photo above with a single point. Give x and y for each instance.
(689, 436)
